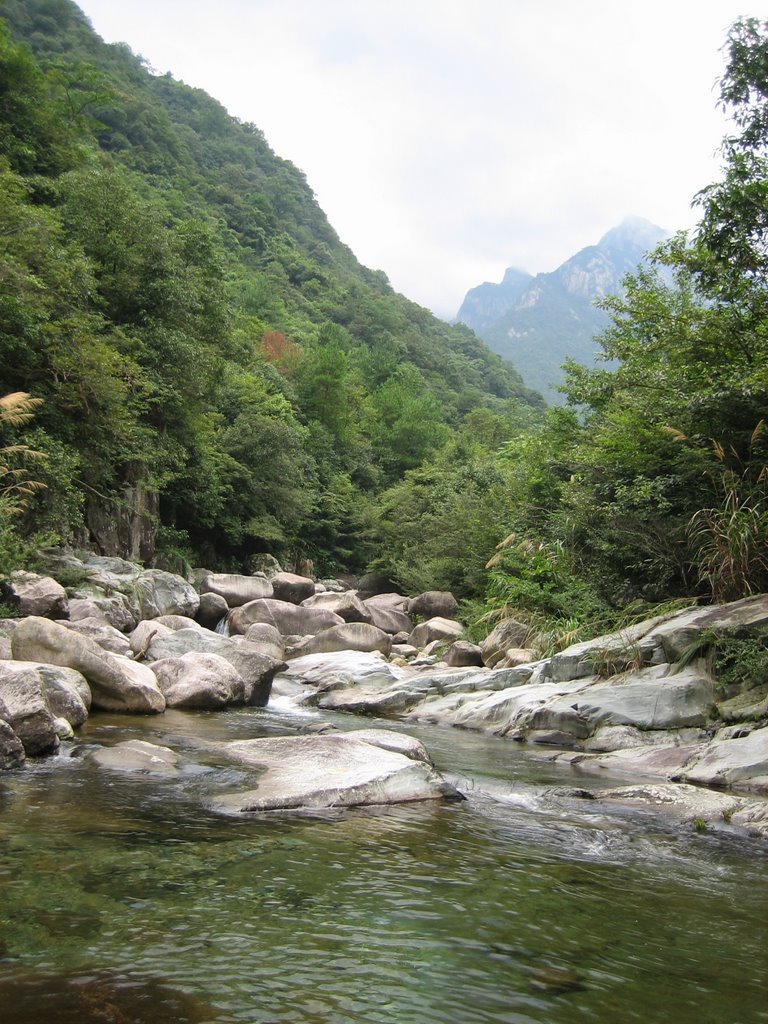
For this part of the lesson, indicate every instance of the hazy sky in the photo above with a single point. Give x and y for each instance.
(449, 139)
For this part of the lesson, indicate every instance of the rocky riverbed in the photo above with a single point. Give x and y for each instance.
(644, 703)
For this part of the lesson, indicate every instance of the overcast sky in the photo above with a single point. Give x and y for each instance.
(449, 139)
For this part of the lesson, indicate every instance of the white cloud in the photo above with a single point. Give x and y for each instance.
(448, 139)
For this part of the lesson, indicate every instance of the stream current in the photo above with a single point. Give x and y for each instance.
(125, 902)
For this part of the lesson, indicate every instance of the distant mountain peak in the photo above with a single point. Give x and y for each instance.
(538, 322)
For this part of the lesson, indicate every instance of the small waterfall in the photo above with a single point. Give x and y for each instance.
(222, 626)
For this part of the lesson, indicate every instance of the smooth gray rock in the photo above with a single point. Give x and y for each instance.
(336, 770)
(86, 608)
(387, 617)
(267, 639)
(236, 590)
(11, 748)
(164, 593)
(213, 608)
(350, 636)
(287, 618)
(343, 669)
(66, 692)
(346, 604)
(741, 763)
(432, 604)
(435, 629)
(23, 707)
(37, 595)
(100, 631)
(203, 681)
(508, 633)
(257, 669)
(652, 698)
(137, 756)
(287, 586)
(398, 742)
(462, 653)
(117, 684)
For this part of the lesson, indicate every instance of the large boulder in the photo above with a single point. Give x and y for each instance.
(435, 629)
(741, 762)
(36, 595)
(256, 668)
(462, 653)
(267, 639)
(342, 669)
(652, 698)
(236, 590)
(213, 608)
(11, 747)
(344, 603)
(287, 586)
(509, 633)
(112, 575)
(288, 619)
(433, 603)
(119, 610)
(66, 693)
(203, 681)
(388, 616)
(164, 593)
(100, 631)
(351, 636)
(338, 770)
(23, 707)
(116, 683)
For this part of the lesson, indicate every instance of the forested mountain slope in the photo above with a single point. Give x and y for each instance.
(218, 373)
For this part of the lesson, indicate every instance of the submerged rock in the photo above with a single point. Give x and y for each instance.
(137, 756)
(337, 770)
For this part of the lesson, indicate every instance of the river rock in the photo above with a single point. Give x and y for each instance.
(740, 763)
(388, 617)
(112, 574)
(236, 590)
(432, 604)
(11, 748)
(398, 742)
(678, 632)
(137, 756)
(203, 681)
(509, 633)
(653, 698)
(120, 610)
(213, 608)
(256, 669)
(351, 636)
(23, 707)
(690, 803)
(435, 629)
(66, 692)
(462, 653)
(164, 593)
(86, 608)
(288, 619)
(100, 631)
(345, 603)
(336, 770)
(343, 669)
(267, 639)
(287, 586)
(32, 594)
(117, 684)
(174, 622)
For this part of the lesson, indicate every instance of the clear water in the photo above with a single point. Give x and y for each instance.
(124, 901)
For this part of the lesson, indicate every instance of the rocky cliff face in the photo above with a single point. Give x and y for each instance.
(538, 322)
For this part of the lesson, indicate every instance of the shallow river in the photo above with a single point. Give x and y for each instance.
(123, 902)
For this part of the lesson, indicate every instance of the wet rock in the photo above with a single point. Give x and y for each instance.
(336, 770)
(213, 608)
(117, 684)
(236, 590)
(11, 748)
(66, 692)
(686, 802)
(398, 742)
(23, 707)
(256, 669)
(342, 669)
(137, 756)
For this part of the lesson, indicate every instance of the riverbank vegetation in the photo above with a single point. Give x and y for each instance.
(218, 377)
